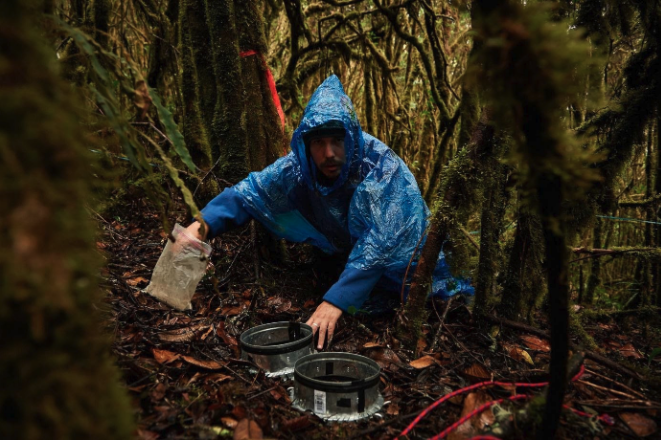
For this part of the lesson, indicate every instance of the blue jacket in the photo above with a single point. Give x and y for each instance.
(373, 211)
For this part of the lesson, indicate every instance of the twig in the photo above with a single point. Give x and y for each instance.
(607, 389)
(588, 354)
(263, 392)
(439, 331)
(624, 386)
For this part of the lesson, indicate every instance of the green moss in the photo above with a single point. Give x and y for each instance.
(59, 379)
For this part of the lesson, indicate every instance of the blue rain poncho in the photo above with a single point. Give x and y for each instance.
(373, 211)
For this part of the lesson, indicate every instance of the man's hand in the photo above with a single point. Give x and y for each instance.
(194, 230)
(323, 320)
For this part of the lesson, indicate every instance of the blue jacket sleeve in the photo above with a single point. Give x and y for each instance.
(225, 212)
(353, 288)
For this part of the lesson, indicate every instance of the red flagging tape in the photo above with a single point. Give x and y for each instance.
(271, 81)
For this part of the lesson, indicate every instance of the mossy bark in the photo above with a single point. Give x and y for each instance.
(194, 130)
(455, 199)
(229, 127)
(58, 377)
(266, 140)
(201, 45)
(523, 283)
(595, 266)
(491, 226)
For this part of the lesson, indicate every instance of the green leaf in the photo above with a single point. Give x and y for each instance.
(171, 129)
(655, 353)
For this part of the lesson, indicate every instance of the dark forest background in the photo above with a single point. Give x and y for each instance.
(532, 128)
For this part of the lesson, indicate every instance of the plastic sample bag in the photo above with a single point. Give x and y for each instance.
(179, 269)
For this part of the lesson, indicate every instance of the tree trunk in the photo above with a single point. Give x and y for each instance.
(59, 377)
(194, 130)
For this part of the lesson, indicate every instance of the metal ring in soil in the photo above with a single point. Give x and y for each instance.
(337, 386)
(275, 347)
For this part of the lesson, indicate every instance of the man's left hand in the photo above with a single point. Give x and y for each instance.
(324, 320)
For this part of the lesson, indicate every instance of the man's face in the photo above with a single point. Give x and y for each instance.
(328, 155)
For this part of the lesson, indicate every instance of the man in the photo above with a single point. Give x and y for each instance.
(343, 191)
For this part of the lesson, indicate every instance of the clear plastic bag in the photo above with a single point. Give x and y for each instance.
(179, 269)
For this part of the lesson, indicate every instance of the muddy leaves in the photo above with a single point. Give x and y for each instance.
(476, 424)
(247, 429)
(164, 357)
(536, 343)
(639, 424)
(423, 362)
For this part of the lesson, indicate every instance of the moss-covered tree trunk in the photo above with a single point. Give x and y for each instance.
(458, 193)
(491, 226)
(201, 45)
(523, 280)
(58, 377)
(266, 136)
(530, 87)
(595, 266)
(229, 127)
(194, 130)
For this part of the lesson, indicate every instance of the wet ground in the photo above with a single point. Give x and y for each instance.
(187, 380)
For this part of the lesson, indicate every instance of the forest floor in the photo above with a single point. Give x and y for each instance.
(187, 380)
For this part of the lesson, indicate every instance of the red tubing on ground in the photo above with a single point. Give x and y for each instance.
(604, 418)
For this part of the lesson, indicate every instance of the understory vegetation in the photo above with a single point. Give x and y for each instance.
(531, 127)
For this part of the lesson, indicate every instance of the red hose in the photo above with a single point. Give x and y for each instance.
(605, 418)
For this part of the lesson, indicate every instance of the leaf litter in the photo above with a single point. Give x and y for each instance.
(184, 372)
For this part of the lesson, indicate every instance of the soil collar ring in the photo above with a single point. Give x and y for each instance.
(337, 386)
(275, 347)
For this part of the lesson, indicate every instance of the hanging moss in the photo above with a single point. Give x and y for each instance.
(58, 376)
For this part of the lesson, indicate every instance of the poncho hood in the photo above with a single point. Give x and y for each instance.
(329, 103)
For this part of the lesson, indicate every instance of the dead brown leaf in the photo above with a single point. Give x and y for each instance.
(163, 356)
(135, 281)
(232, 310)
(225, 337)
(210, 364)
(180, 335)
(159, 392)
(386, 358)
(247, 429)
(393, 409)
(147, 434)
(229, 422)
(536, 343)
(519, 354)
(639, 424)
(422, 344)
(630, 352)
(217, 378)
(476, 424)
(372, 344)
(296, 424)
(423, 362)
(477, 373)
